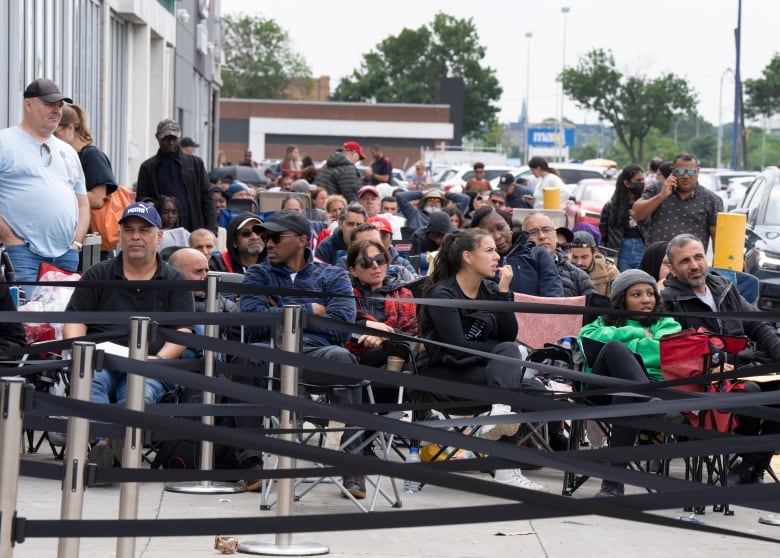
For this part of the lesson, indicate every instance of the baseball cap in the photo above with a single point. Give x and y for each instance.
(248, 220)
(144, 211)
(354, 146)
(288, 220)
(381, 224)
(168, 127)
(187, 141)
(583, 239)
(366, 189)
(46, 90)
(506, 180)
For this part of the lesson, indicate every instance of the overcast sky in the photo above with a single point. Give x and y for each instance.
(692, 38)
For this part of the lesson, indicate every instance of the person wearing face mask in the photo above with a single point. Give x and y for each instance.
(619, 228)
(430, 200)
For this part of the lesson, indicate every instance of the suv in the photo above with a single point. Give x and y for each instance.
(455, 178)
(761, 204)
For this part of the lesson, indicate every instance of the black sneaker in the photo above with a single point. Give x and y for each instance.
(609, 488)
(741, 473)
(355, 485)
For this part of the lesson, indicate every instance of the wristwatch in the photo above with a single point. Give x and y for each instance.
(78, 244)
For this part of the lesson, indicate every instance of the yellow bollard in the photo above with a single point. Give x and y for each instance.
(729, 249)
(552, 198)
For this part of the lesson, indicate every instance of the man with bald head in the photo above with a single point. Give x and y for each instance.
(204, 241)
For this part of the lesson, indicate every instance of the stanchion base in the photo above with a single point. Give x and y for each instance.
(272, 549)
(205, 488)
(769, 519)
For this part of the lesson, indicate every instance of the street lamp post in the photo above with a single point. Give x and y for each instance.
(720, 115)
(562, 140)
(528, 37)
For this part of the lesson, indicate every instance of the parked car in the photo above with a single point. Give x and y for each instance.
(588, 199)
(735, 191)
(571, 173)
(761, 204)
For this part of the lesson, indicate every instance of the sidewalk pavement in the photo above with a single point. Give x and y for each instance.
(563, 537)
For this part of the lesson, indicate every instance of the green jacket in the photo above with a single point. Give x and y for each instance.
(633, 336)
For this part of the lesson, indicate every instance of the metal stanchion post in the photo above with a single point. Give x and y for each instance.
(207, 447)
(10, 439)
(133, 444)
(291, 342)
(76, 448)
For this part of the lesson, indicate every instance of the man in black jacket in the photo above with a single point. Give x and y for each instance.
(171, 172)
(691, 288)
(340, 175)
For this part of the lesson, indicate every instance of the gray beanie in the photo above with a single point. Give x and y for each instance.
(629, 278)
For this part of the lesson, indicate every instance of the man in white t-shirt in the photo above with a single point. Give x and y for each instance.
(44, 210)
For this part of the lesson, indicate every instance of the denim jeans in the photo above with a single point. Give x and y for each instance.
(631, 252)
(26, 263)
(108, 382)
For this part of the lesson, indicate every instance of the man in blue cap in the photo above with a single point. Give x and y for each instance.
(140, 232)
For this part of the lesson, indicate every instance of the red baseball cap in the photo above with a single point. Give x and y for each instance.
(354, 146)
(381, 224)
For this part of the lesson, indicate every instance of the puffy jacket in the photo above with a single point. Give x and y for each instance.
(384, 305)
(633, 336)
(575, 280)
(339, 176)
(678, 297)
(323, 278)
(534, 271)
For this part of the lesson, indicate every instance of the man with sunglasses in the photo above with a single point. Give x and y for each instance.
(679, 204)
(244, 245)
(36, 166)
(290, 265)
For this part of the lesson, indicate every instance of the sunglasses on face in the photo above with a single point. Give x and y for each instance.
(257, 229)
(366, 263)
(683, 172)
(276, 237)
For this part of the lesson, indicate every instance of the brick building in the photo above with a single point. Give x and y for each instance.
(317, 128)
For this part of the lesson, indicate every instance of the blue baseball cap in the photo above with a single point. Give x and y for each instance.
(143, 211)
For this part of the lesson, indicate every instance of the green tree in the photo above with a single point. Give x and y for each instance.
(633, 105)
(763, 94)
(406, 69)
(259, 59)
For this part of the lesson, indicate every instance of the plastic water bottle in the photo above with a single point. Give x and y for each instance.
(412, 486)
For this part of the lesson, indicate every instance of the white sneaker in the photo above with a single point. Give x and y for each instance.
(514, 477)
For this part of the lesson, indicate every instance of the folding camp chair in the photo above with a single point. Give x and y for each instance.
(689, 354)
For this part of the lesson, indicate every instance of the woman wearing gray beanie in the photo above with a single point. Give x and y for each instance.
(637, 291)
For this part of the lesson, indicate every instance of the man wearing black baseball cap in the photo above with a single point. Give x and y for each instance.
(35, 166)
(140, 233)
(517, 195)
(289, 265)
(173, 172)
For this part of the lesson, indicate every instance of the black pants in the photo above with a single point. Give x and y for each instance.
(616, 361)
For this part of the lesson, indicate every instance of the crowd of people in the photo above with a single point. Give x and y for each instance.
(338, 231)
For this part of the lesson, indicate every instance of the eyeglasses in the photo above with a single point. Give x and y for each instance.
(565, 246)
(683, 172)
(257, 229)
(276, 237)
(46, 154)
(366, 263)
(536, 232)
